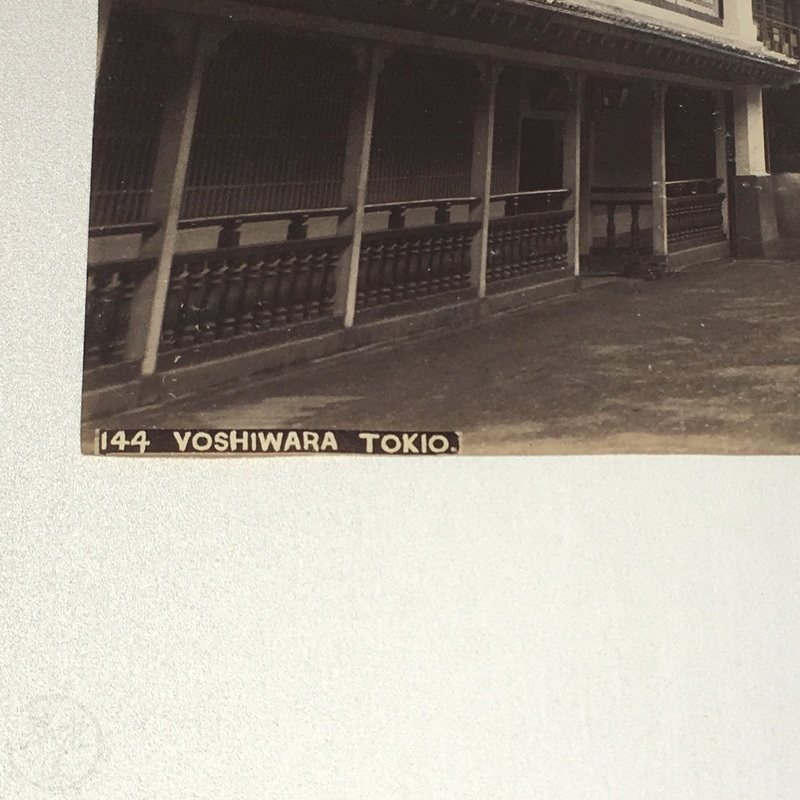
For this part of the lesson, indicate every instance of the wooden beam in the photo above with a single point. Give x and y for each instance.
(481, 174)
(193, 48)
(659, 172)
(573, 126)
(721, 140)
(356, 172)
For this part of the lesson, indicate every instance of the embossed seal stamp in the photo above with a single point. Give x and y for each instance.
(53, 743)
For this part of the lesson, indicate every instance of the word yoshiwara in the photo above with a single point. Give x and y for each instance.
(166, 441)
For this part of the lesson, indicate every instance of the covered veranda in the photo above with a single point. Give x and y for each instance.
(284, 185)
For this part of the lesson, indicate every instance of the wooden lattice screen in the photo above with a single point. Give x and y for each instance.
(422, 137)
(128, 109)
(505, 156)
(271, 127)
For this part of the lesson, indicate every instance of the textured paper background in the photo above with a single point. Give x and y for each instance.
(555, 628)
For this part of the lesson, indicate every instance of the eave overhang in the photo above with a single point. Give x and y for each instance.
(561, 27)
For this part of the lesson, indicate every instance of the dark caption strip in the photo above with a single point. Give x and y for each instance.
(209, 441)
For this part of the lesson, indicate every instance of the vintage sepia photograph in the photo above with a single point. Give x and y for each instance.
(492, 227)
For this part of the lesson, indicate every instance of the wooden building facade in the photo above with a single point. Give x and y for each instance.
(273, 181)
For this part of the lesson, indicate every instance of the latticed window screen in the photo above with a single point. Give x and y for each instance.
(271, 127)
(128, 110)
(422, 137)
(505, 155)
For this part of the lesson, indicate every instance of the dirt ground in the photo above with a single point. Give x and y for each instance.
(703, 361)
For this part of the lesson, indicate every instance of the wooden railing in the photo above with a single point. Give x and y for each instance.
(402, 263)
(227, 292)
(109, 293)
(624, 244)
(532, 202)
(694, 212)
(230, 225)
(616, 202)
(531, 242)
(441, 206)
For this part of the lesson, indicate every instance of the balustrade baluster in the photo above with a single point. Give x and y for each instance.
(387, 271)
(398, 276)
(364, 260)
(635, 228)
(266, 300)
(215, 288)
(328, 287)
(424, 271)
(121, 318)
(465, 238)
(611, 225)
(283, 288)
(434, 284)
(315, 293)
(298, 293)
(252, 279)
(171, 330)
(231, 299)
(193, 304)
(374, 271)
(448, 263)
(414, 266)
(100, 315)
(511, 247)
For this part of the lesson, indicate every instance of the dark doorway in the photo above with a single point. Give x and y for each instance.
(691, 141)
(541, 155)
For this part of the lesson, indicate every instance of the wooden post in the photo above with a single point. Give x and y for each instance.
(572, 171)
(659, 173)
(721, 138)
(103, 14)
(194, 47)
(356, 171)
(587, 177)
(481, 175)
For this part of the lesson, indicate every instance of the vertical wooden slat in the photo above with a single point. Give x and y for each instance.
(271, 127)
(128, 112)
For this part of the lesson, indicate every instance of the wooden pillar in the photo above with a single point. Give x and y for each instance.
(587, 175)
(748, 109)
(103, 14)
(194, 46)
(573, 125)
(481, 175)
(721, 139)
(659, 173)
(356, 171)
(756, 220)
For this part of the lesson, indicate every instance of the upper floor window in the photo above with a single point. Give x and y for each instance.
(778, 23)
